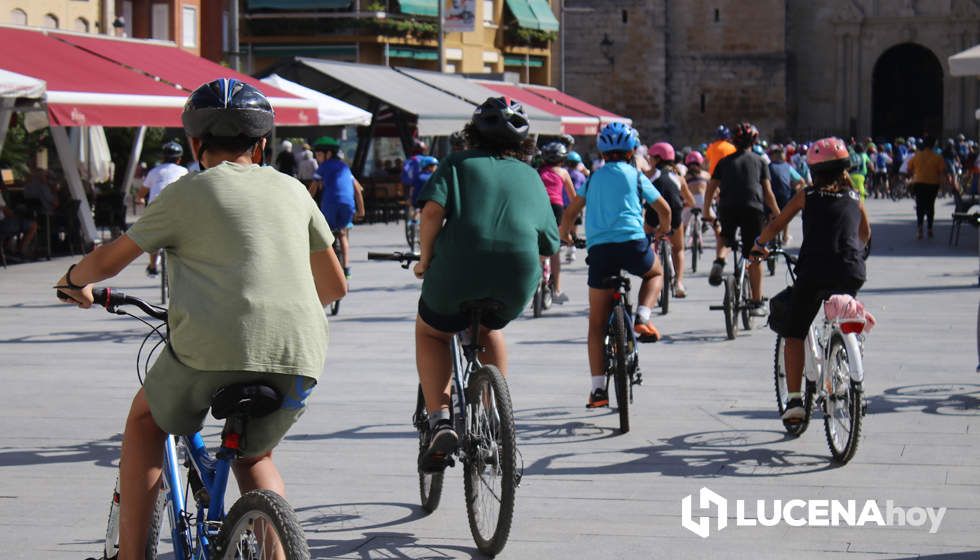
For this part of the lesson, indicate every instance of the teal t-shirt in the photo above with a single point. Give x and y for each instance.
(613, 213)
(238, 241)
(498, 222)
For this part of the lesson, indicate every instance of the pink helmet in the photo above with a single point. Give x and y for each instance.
(826, 150)
(663, 150)
(694, 157)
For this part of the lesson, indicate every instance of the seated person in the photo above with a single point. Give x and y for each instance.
(12, 225)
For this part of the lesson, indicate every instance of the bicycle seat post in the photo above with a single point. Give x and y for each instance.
(474, 347)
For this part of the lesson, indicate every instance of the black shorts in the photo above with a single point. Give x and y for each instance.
(457, 322)
(748, 221)
(559, 211)
(806, 299)
(610, 259)
(652, 219)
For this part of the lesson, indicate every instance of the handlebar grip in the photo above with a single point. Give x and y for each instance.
(107, 297)
(401, 257)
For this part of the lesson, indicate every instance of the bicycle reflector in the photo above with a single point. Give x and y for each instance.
(852, 327)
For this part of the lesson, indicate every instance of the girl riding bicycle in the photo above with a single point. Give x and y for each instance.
(673, 187)
(615, 194)
(835, 233)
(558, 183)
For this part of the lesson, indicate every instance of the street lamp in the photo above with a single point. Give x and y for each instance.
(606, 48)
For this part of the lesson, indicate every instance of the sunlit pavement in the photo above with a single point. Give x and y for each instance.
(705, 417)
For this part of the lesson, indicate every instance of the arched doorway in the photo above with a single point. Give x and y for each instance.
(907, 93)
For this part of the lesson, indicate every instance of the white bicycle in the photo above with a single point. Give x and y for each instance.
(833, 377)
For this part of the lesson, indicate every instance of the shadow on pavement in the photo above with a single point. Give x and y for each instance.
(971, 555)
(386, 545)
(737, 453)
(102, 453)
(549, 426)
(695, 336)
(64, 337)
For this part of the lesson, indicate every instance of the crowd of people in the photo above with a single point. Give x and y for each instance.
(254, 265)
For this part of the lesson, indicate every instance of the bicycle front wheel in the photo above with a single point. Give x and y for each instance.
(668, 278)
(843, 405)
(490, 460)
(695, 243)
(111, 549)
(748, 321)
(430, 484)
(621, 381)
(729, 305)
(262, 524)
(537, 302)
(782, 392)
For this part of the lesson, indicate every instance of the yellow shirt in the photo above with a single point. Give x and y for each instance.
(716, 152)
(927, 167)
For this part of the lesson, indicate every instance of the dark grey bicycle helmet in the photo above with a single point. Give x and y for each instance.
(227, 108)
(172, 150)
(501, 121)
(554, 152)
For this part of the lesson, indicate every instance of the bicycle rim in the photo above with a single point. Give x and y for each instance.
(621, 382)
(490, 461)
(261, 525)
(842, 418)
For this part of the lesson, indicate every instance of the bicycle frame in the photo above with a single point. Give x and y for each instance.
(817, 345)
(621, 297)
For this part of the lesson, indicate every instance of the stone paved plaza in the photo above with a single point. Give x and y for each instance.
(705, 417)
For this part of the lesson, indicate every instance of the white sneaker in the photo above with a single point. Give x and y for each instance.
(559, 298)
(794, 411)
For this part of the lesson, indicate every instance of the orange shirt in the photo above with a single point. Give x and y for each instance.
(927, 167)
(716, 152)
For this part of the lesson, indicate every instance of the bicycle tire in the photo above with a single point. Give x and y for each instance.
(779, 372)
(771, 265)
(275, 513)
(695, 243)
(731, 321)
(668, 278)
(547, 297)
(621, 382)
(409, 230)
(491, 450)
(430, 484)
(537, 302)
(748, 321)
(111, 548)
(335, 307)
(163, 277)
(338, 250)
(841, 385)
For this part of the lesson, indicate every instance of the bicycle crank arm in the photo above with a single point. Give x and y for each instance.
(716, 307)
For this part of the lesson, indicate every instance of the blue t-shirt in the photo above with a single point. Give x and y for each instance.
(578, 179)
(411, 170)
(783, 177)
(420, 180)
(338, 183)
(612, 198)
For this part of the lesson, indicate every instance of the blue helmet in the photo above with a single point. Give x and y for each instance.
(573, 157)
(758, 149)
(426, 161)
(617, 137)
(722, 132)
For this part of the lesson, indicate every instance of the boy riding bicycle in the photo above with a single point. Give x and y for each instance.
(616, 241)
(835, 233)
(486, 221)
(252, 269)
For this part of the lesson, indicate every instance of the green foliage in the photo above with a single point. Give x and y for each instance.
(121, 144)
(391, 27)
(21, 146)
(531, 37)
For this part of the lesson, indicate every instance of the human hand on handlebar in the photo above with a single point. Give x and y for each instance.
(82, 297)
(420, 269)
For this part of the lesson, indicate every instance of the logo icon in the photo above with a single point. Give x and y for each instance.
(706, 498)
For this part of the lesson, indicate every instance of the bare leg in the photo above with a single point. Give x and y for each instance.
(721, 253)
(677, 254)
(755, 280)
(433, 363)
(556, 272)
(495, 352)
(345, 246)
(653, 282)
(258, 473)
(139, 477)
(793, 356)
(600, 305)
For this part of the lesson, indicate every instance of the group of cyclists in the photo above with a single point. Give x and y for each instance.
(253, 264)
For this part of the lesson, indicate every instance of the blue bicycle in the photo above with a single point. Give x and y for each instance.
(260, 524)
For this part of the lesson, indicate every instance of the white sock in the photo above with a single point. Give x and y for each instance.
(435, 417)
(791, 396)
(598, 382)
(643, 313)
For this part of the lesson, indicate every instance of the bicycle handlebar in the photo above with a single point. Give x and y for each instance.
(111, 300)
(405, 258)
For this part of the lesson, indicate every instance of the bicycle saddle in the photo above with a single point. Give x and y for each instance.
(481, 305)
(612, 282)
(252, 400)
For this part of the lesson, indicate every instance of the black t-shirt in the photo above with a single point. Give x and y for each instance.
(831, 251)
(286, 163)
(741, 175)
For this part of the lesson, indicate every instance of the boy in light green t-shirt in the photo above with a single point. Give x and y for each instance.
(251, 267)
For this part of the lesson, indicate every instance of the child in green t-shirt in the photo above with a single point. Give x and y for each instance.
(252, 267)
(486, 221)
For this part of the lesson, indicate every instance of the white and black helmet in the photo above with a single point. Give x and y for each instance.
(501, 121)
(227, 108)
(554, 152)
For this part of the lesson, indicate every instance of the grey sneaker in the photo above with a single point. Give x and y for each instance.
(442, 442)
(717, 269)
(560, 299)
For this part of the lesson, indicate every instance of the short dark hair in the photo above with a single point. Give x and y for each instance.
(616, 155)
(232, 144)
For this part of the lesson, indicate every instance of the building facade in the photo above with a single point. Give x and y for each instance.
(85, 16)
(507, 36)
(168, 20)
(795, 68)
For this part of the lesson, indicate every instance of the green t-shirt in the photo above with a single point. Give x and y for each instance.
(498, 221)
(238, 241)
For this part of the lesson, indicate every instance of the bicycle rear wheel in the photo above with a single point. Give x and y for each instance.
(621, 382)
(430, 484)
(338, 249)
(537, 302)
(666, 263)
(748, 321)
(259, 525)
(111, 549)
(807, 390)
(844, 405)
(729, 305)
(490, 460)
(695, 243)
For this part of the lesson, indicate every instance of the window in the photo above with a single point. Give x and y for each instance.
(626, 16)
(18, 17)
(51, 21)
(488, 11)
(81, 24)
(717, 15)
(189, 27)
(225, 39)
(160, 22)
(127, 14)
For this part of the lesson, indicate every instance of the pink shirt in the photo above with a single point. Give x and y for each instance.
(554, 184)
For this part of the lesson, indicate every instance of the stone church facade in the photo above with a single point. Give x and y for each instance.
(796, 68)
